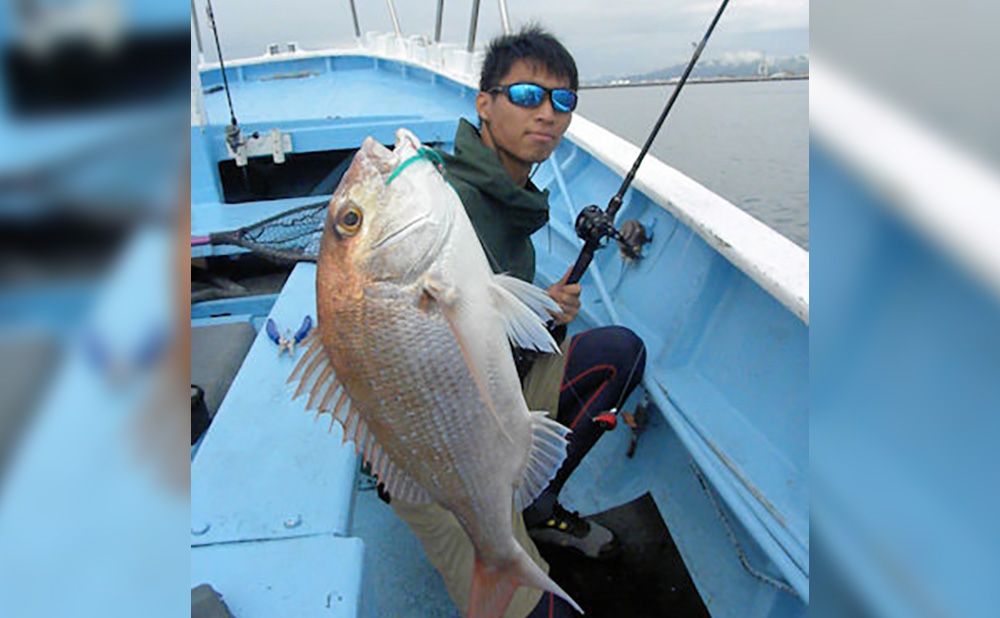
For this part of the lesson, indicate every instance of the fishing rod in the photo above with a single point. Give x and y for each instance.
(233, 134)
(222, 63)
(593, 225)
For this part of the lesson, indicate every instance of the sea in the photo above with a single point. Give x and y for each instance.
(746, 141)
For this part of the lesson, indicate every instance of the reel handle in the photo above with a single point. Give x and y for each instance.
(593, 225)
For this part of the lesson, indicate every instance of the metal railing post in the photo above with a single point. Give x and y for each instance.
(354, 15)
(472, 26)
(504, 17)
(437, 21)
(197, 32)
(395, 18)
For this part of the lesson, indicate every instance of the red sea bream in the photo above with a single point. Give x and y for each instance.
(412, 357)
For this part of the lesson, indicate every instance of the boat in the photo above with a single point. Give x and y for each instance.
(284, 521)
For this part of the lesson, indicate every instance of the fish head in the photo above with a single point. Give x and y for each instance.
(386, 222)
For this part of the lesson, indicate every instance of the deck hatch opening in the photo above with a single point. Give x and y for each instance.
(303, 174)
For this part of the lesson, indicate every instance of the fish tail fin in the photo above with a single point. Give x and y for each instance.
(493, 587)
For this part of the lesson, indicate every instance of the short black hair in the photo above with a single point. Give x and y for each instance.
(534, 44)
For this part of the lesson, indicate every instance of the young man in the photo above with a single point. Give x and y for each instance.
(527, 95)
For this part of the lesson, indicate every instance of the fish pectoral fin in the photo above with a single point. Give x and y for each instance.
(524, 308)
(433, 289)
(545, 457)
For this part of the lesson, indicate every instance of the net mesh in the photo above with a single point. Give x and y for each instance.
(294, 234)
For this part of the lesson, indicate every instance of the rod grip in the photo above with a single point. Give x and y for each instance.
(582, 262)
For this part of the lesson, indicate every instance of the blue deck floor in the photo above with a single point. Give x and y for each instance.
(336, 89)
(402, 583)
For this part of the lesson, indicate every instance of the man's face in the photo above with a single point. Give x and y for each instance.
(529, 134)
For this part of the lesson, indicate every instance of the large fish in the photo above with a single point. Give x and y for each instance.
(411, 356)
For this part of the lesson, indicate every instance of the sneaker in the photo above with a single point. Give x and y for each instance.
(567, 529)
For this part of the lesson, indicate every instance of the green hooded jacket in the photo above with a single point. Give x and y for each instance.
(504, 214)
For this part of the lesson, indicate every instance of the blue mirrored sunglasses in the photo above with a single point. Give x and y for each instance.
(526, 94)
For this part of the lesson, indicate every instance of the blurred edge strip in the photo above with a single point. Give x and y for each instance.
(950, 197)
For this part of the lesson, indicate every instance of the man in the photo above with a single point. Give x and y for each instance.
(527, 95)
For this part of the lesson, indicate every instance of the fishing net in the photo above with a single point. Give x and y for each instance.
(290, 236)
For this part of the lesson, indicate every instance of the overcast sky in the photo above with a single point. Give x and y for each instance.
(605, 36)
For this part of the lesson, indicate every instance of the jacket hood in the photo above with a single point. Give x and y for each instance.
(525, 207)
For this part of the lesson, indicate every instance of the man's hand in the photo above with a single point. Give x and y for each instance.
(567, 295)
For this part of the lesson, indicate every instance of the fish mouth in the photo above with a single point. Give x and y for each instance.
(377, 156)
(398, 234)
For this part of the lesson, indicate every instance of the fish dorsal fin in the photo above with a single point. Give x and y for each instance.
(326, 395)
(524, 308)
(545, 457)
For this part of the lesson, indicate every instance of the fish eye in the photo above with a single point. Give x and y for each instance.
(349, 221)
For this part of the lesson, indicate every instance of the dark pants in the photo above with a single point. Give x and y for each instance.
(603, 367)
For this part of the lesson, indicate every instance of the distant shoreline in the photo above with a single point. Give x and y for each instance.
(693, 80)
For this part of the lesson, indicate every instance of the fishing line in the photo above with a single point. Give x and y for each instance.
(631, 373)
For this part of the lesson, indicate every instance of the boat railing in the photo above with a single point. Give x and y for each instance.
(473, 22)
(393, 16)
(396, 27)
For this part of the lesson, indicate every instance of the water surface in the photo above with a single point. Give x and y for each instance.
(746, 141)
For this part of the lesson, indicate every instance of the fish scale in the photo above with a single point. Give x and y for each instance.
(439, 386)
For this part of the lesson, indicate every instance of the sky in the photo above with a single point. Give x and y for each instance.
(607, 37)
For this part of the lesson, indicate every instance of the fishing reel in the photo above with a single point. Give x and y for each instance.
(594, 226)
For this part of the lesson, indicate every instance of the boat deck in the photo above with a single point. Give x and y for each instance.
(339, 90)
